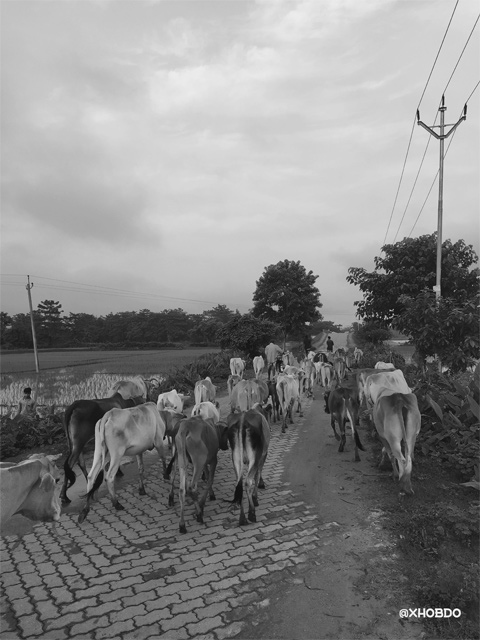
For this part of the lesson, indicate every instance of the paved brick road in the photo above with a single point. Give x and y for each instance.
(132, 575)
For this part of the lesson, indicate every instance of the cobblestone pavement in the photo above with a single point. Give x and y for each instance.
(131, 574)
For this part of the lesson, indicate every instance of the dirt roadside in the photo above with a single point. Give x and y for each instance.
(353, 586)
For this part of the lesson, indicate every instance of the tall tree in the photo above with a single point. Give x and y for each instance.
(286, 295)
(407, 268)
(51, 326)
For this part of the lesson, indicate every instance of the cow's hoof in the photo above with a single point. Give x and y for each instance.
(65, 500)
(166, 476)
(81, 516)
(243, 521)
(212, 496)
(251, 516)
(142, 492)
(170, 501)
(261, 484)
(255, 504)
(182, 528)
(119, 507)
(199, 518)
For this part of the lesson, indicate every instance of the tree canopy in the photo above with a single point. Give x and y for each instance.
(407, 268)
(247, 335)
(287, 296)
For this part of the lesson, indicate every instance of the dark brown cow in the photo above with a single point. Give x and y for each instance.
(341, 402)
(249, 437)
(79, 423)
(199, 441)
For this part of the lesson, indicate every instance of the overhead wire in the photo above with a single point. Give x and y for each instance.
(414, 121)
(429, 139)
(438, 170)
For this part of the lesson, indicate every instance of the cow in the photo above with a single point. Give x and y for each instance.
(340, 369)
(28, 488)
(288, 359)
(205, 391)
(341, 402)
(384, 365)
(122, 432)
(231, 382)
(370, 386)
(309, 378)
(397, 419)
(273, 395)
(258, 365)
(237, 367)
(326, 374)
(134, 388)
(247, 393)
(79, 423)
(249, 437)
(207, 411)
(198, 440)
(288, 393)
(170, 400)
(357, 354)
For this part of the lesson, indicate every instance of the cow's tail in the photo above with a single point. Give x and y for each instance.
(238, 451)
(95, 477)
(69, 473)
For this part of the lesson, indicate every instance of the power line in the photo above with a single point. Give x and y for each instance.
(438, 171)
(82, 287)
(428, 141)
(414, 120)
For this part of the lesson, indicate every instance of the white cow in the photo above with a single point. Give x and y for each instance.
(384, 365)
(122, 432)
(207, 411)
(371, 386)
(237, 366)
(205, 391)
(170, 400)
(258, 365)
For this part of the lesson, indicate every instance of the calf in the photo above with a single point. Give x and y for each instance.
(342, 403)
(398, 419)
(79, 423)
(198, 440)
(249, 437)
(288, 394)
(29, 489)
(122, 432)
(357, 354)
(309, 378)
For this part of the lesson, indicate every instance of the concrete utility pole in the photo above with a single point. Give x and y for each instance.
(441, 137)
(438, 286)
(28, 288)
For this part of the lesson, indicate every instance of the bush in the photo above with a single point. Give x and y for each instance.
(22, 434)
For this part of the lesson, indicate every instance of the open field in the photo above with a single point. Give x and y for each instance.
(66, 376)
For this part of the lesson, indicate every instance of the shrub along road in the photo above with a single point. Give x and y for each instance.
(317, 564)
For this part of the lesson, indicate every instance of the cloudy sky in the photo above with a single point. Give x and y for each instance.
(161, 154)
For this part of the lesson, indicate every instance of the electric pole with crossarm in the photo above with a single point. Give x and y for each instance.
(441, 136)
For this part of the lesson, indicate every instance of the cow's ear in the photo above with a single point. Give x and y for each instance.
(47, 483)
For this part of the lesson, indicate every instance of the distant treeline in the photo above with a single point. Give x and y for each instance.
(143, 329)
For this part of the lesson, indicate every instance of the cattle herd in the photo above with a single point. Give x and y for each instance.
(128, 423)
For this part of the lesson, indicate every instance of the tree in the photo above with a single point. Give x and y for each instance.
(372, 332)
(247, 334)
(286, 295)
(407, 268)
(50, 325)
(5, 328)
(446, 329)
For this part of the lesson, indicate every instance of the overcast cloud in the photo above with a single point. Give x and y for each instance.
(173, 150)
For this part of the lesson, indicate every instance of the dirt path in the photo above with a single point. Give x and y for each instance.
(352, 586)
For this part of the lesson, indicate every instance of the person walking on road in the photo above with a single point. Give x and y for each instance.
(329, 344)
